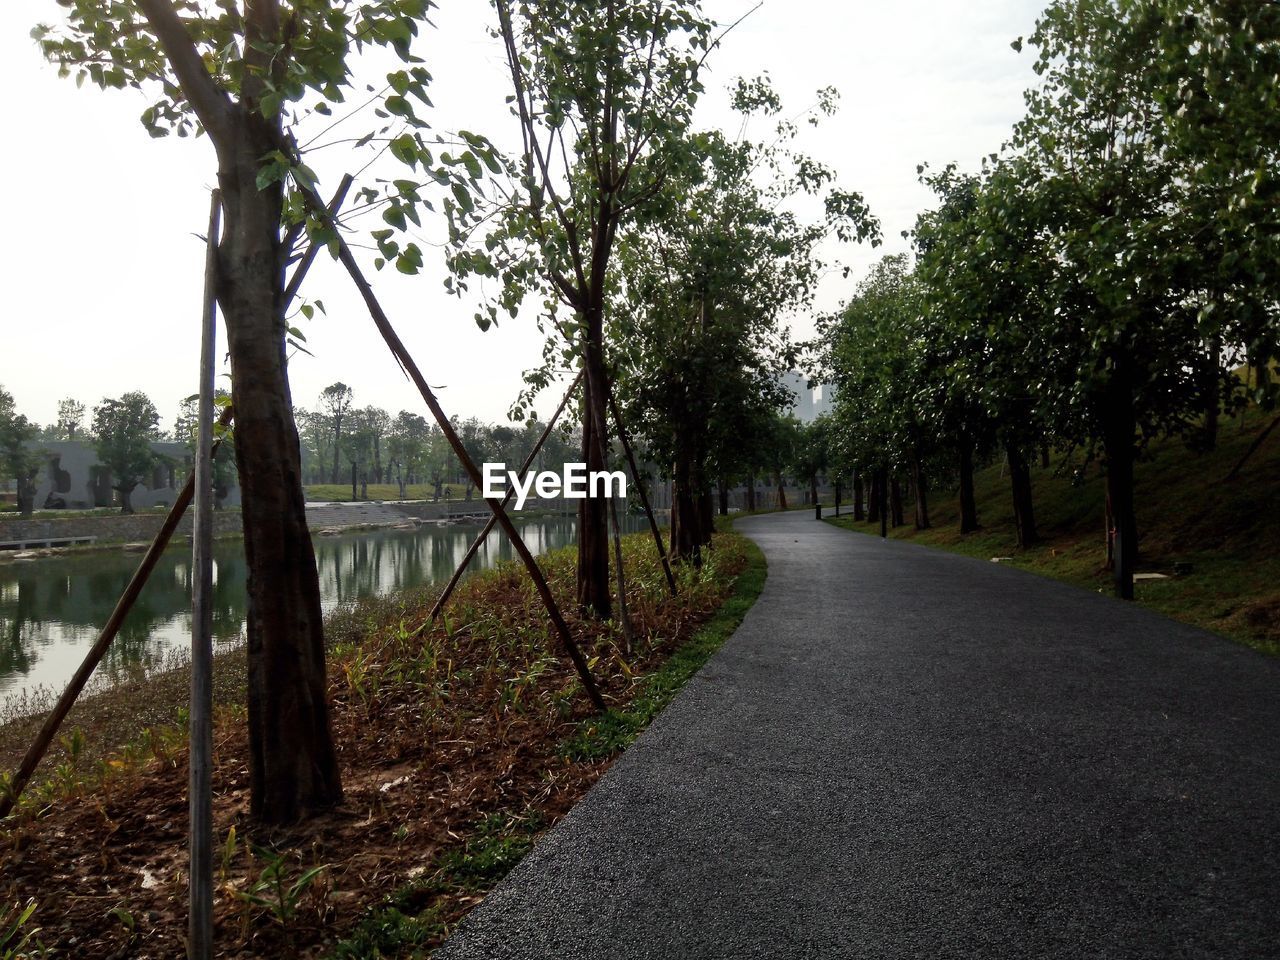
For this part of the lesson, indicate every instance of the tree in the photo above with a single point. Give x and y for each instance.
(239, 72)
(1215, 67)
(813, 453)
(124, 429)
(984, 270)
(70, 422)
(17, 459)
(889, 410)
(603, 92)
(335, 401)
(1096, 175)
(407, 446)
(708, 269)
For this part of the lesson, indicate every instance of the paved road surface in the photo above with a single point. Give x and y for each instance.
(905, 753)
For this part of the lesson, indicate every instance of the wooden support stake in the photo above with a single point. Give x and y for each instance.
(200, 756)
(35, 753)
(644, 496)
(410, 368)
(300, 271)
(493, 520)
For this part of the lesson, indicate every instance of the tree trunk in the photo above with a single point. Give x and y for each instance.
(337, 445)
(751, 494)
(968, 506)
(1119, 425)
(293, 767)
(782, 492)
(882, 504)
(26, 494)
(1210, 394)
(1023, 511)
(685, 525)
(126, 501)
(922, 500)
(859, 512)
(724, 498)
(706, 517)
(895, 501)
(873, 499)
(594, 595)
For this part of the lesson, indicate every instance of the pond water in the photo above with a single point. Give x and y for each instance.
(52, 608)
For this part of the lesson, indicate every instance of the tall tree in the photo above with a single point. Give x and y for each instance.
(124, 429)
(239, 72)
(17, 459)
(1099, 179)
(407, 446)
(335, 402)
(603, 92)
(708, 270)
(70, 424)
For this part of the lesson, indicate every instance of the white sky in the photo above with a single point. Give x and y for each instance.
(102, 271)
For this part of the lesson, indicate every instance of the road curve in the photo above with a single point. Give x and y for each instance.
(907, 753)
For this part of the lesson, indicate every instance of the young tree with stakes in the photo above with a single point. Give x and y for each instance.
(239, 72)
(602, 91)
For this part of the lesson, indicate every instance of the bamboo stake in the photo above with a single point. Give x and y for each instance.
(35, 753)
(644, 496)
(410, 368)
(493, 519)
(200, 757)
(300, 271)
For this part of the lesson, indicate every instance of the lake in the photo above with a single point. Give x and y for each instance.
(52, 608)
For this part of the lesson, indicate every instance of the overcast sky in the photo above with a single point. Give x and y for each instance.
(102, 269)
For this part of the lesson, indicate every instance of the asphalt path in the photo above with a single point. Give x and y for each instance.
(906, 753)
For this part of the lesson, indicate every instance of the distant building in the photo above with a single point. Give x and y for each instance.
(810, 402)
(824, 401)
(73, 479)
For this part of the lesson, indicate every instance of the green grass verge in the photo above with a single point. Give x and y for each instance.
(615, 730)
(341, 492)
(1228, 532)
(407, 924)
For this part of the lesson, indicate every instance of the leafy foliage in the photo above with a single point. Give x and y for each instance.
(124, 428)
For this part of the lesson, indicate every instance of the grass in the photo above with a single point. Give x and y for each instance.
(341, 493)
(459, 741)
(615, 730)
(1228, 532)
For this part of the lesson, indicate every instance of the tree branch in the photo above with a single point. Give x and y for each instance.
(211, 103)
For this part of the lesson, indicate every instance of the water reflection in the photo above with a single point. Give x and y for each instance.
(52, 608)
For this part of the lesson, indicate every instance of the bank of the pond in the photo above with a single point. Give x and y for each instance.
(54, 533)
(51, 608)
(458, 742)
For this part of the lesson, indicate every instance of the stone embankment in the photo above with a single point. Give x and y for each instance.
(114, 529)
(105, 529)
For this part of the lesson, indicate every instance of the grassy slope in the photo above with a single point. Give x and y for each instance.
(1229, 531)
